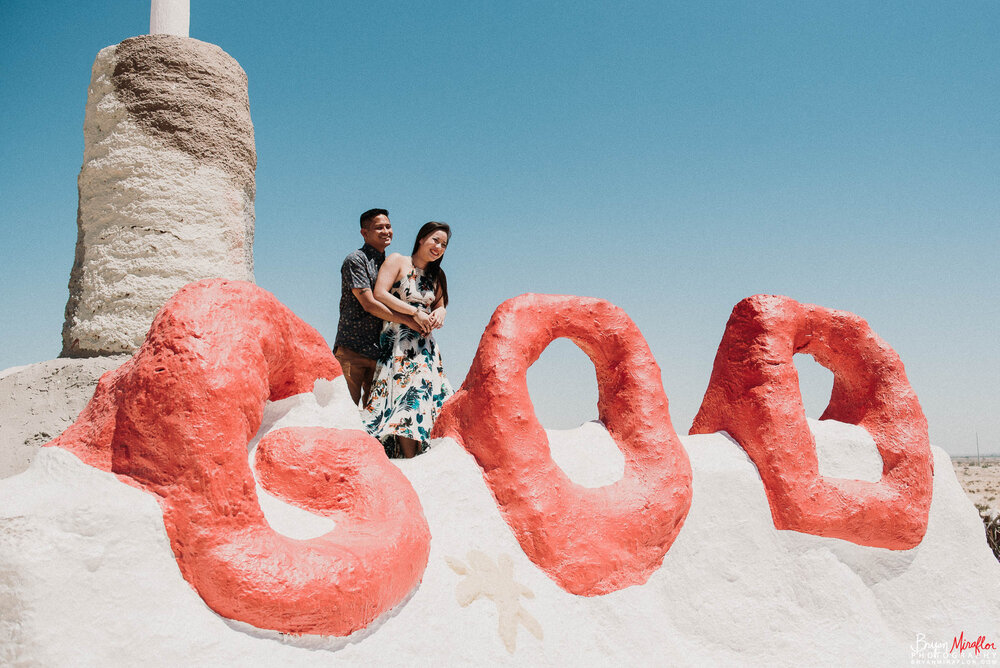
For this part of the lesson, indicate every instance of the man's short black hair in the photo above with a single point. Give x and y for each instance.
(368, 216)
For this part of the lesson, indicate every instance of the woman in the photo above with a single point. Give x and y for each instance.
(410, 385)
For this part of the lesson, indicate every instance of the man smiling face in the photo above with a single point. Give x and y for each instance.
(377, 232)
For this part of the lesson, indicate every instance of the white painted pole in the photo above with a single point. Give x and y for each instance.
(170, 17)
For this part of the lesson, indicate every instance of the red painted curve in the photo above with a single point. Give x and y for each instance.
(589, 541)
(176, 419)
(754, 395)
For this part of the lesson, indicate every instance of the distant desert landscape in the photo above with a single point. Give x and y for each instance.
(980, 478)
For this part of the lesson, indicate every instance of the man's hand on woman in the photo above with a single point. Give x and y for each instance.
(437, 317)
(423, 322)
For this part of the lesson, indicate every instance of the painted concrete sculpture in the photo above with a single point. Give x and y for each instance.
(175, 421)
(176, 418)
(166, 188)
(589, 541)
(754, 395)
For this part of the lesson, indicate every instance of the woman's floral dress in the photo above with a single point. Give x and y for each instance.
(409, 386)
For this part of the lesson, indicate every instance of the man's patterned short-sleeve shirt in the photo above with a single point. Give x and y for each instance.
(358, 329)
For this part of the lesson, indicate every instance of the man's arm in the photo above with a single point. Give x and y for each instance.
(353, 273)
(391, 270)
(383, 312)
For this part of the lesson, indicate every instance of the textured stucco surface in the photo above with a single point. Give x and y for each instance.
(753, 395)
(176, 419)
(191, 95)
(39, 401)
(589, 541)
(89, 564)
(166, 188)
(86, 570)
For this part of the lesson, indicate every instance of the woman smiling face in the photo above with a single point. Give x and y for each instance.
(433, 246)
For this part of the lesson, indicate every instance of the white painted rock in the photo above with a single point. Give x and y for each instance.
(166, 188)
(87, 576)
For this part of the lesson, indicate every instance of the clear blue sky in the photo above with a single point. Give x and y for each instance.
(672, 158)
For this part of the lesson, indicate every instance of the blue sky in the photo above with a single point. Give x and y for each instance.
(672, 158)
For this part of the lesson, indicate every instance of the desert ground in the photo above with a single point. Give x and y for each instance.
(980, 478)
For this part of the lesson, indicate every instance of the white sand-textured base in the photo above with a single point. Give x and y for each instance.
(87, 577)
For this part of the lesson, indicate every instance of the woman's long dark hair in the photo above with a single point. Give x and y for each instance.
(433, 270)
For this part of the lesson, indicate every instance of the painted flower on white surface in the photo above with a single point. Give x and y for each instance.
(495, 580)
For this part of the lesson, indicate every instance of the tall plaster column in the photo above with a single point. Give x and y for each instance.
(166, 188)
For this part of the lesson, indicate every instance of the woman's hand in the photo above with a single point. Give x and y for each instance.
(424, 322)
(437, 317)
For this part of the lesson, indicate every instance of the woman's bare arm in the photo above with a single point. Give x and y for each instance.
(380, 310)
(438, 310)
(390, 272)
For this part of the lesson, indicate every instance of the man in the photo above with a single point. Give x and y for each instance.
(361, 315)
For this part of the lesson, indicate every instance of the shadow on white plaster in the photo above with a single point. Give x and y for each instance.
(588, 454)
(318, 642)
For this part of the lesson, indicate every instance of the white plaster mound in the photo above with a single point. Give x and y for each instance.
(39, 401)
(152, 218)
(87, 577)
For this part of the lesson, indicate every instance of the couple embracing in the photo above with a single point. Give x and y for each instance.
(389, 308)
